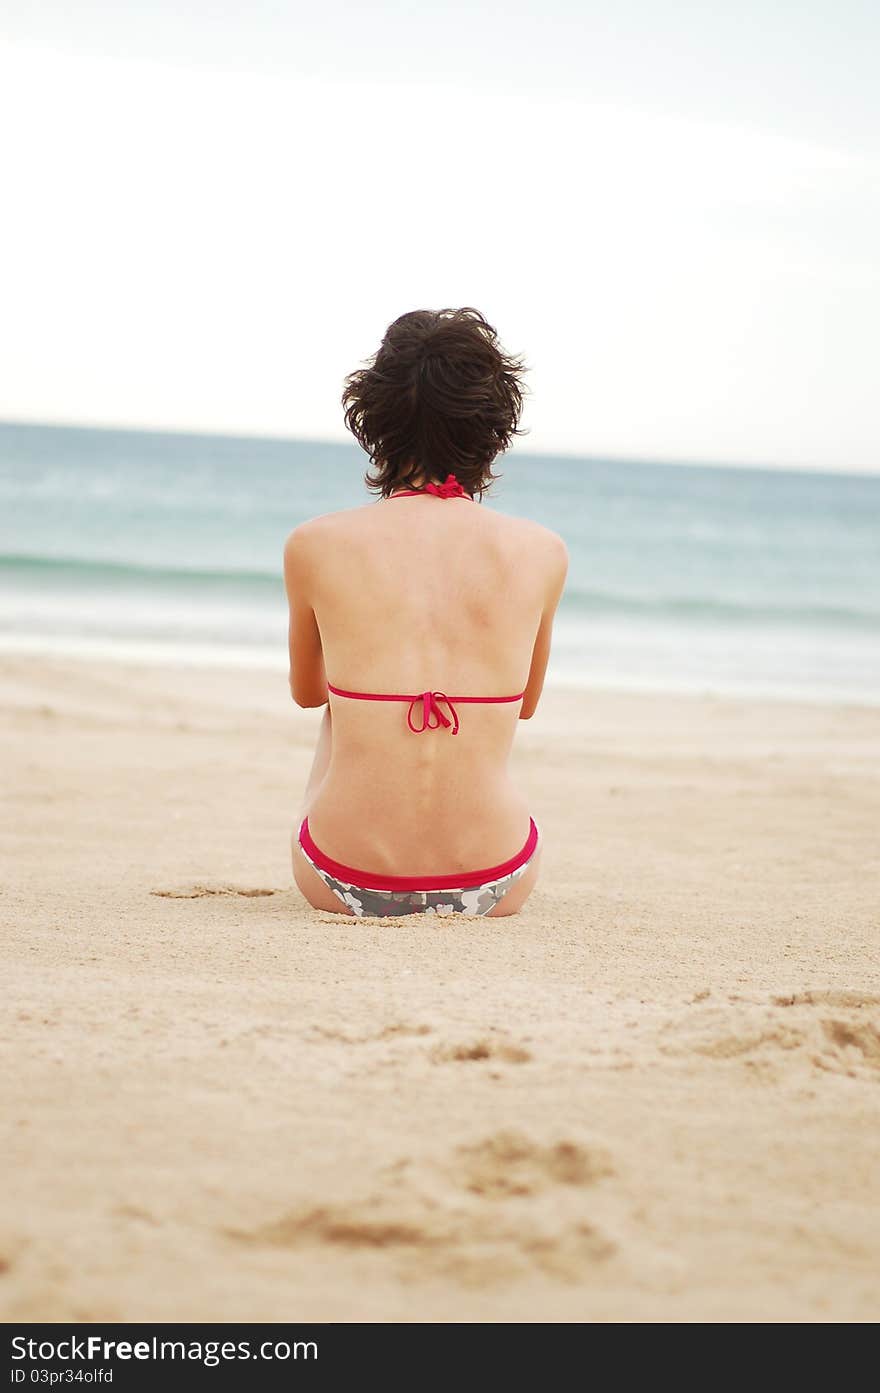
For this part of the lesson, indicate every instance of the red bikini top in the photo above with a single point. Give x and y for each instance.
(450, 488)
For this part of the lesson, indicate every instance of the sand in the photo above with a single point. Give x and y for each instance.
(654, 1095)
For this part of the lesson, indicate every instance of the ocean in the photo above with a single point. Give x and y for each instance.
(154, 545)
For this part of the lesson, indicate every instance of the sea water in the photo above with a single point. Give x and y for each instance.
(682, 577)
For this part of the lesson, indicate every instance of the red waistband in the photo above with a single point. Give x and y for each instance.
(365, 880)
(432, 715)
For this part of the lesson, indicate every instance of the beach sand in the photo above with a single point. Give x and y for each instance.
(654, 1095)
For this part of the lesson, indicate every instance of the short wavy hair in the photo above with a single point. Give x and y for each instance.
(439, 397)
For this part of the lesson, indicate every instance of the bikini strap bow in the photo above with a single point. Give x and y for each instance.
(450, 488)
(431, 709)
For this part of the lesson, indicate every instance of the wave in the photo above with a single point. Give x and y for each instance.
(578, 601)
(718, 608)
(100, 570)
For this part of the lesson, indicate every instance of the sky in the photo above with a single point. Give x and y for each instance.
(670, 209)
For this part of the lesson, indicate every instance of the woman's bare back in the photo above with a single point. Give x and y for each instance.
(412, 595)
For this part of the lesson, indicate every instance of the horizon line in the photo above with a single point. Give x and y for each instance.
(610, 457)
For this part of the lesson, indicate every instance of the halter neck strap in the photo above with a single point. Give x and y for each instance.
(450, 488)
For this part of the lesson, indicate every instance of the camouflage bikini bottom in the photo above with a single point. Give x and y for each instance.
(469, 898)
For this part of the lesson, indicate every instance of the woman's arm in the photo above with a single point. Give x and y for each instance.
(541, 651)
(308, 680)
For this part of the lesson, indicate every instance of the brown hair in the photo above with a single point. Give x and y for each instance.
(439, 397)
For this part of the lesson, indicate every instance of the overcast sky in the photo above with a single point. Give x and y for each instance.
(672, 209)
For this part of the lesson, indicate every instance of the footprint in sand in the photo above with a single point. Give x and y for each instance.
(457, 1234)
(728, 1032)
(851, 1045)
(500, 1051)
(345, 1226)
(509, 1163)
(846, 1000)
(483, 1048)
(847, 1044)
(198, 892)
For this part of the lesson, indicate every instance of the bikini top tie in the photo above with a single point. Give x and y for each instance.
(432, 715)
(450, 488)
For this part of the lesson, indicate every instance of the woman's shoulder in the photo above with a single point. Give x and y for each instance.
(315, 530)
(539, 539)
(307, 545)
(522, 534)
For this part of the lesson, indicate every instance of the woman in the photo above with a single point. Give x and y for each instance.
(431, 617)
